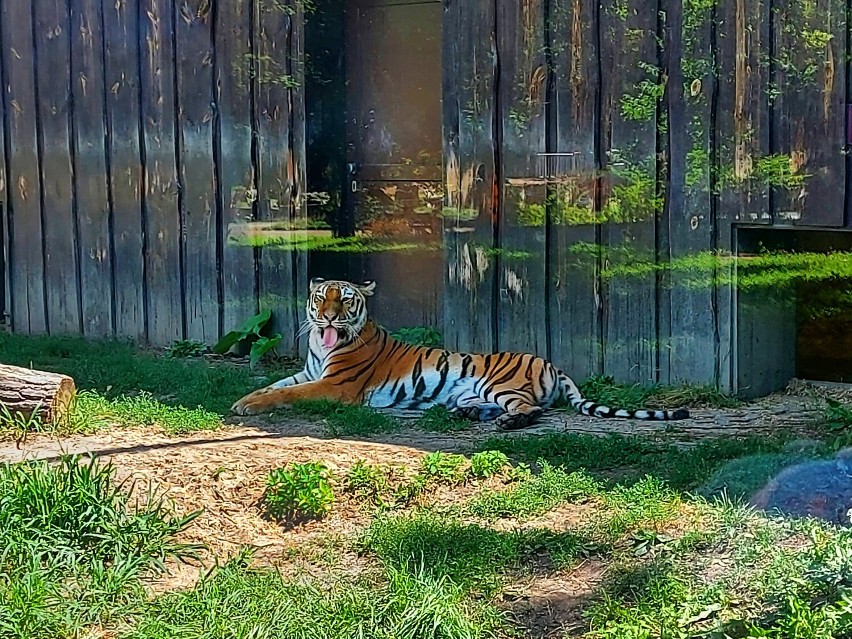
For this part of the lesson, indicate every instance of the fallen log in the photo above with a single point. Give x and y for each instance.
(24, 391)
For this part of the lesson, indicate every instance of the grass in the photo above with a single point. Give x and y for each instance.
(604, 390)
(75, 548)
(535, 495)
(345, 420)
(676, 554)
(632, 457)
(128, 385)
(241, 602)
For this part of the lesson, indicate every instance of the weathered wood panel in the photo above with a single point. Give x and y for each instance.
(195, 100)
(631, 90)
(690, 356)
(5, 265)
(236, 169)
(276, 167)
(163, 223)
(298, 144)
(124, 159)
(59, 221)
(29, 309)
(809, 112)
(574, 294)
(742, 146)
(470, 170)
(91, 172)
(521, 258)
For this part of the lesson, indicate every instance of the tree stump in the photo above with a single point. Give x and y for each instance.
(24, 391)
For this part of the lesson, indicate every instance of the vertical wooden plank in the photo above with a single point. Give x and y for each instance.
(124, 159)
(690, 355)
(809, 112)
(53, 59)
(164, 281)
(574, 285)
(522, 324)
(235, 167)
(29, 309)
(631, 90)
(195, 99)
(91, 172)
(742, 145)
(273, 79)
(298, 203)
(470, 174)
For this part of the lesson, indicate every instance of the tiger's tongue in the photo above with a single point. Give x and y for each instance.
(329, 336)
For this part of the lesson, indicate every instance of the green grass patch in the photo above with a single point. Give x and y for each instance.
(630, 458)
(345, 420)
(75, 547)
(536, 494)
(604, 390)
(473, 556)
(438, 419)
(124, 384)
(242, 602)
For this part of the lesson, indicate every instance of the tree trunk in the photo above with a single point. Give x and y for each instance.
(23, 391)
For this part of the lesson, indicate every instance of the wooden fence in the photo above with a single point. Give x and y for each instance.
(598, 158)
(136, 134)
(670, 124)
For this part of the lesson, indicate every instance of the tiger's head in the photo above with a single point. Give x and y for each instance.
(338, 310)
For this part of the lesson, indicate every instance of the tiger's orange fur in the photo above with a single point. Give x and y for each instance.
(353, 360)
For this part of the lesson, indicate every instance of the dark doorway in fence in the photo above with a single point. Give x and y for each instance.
(793, 307)
(383, 188)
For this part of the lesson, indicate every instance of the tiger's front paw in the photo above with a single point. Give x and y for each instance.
(254, 403)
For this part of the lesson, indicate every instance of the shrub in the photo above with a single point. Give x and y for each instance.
(366, 480)
(488, 463)
(298, 492)
(444, 468)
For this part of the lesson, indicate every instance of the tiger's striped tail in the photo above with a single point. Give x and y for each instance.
(592, 409)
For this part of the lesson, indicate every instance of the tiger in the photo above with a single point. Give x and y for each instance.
(353, 360)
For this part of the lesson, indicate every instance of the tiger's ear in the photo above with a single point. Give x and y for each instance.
(367, 288)
(316, 281)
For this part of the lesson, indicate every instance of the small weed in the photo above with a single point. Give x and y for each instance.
(346, 420)
(419, 336)
(299, 492)
(438, 419)
(837, 417)
(488, 463)
(444, 468)
(367, 481)
(535, 494)
(186, 348)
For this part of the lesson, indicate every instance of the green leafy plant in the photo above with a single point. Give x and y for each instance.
(488, 463)
(419, 336)
(250, 332)
(369, 481)
(186, 348)
(838, 417)
(299, 492)
(445, 468)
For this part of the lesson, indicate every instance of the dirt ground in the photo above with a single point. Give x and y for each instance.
(224, 471)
